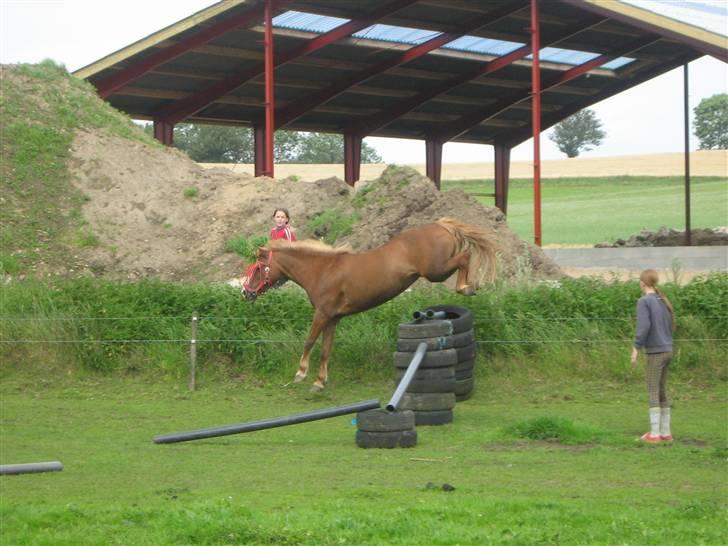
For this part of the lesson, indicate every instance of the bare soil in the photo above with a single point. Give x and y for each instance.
(158, 214)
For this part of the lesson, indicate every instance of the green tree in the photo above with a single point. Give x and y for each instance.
(711, 122)
(578, 133)
(221, 144)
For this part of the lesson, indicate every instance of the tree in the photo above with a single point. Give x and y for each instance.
(711, 122)
(579, 132)
(221, 144)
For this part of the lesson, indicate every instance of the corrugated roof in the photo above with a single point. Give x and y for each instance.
(319, 24)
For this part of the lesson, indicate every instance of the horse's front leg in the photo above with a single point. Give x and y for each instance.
(327, 343)
(317, 325)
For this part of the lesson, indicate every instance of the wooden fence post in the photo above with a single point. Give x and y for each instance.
(193, 351)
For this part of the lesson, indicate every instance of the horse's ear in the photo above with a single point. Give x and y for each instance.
(262, 252)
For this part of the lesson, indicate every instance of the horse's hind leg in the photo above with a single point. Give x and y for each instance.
(316, 326)
(327, 343)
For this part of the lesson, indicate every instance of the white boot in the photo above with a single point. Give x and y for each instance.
(665, 433)
(654, 434)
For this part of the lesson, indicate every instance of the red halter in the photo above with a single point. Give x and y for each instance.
(262, 267)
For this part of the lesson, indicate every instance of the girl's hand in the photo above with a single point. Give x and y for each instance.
(633, 358)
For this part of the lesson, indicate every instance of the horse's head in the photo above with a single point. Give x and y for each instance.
(262, 275)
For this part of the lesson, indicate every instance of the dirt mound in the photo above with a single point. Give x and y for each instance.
(158, 214)
(672, 237)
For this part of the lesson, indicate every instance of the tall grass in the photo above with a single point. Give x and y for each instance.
(582, 327)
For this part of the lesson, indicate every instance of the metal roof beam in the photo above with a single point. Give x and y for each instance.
(475, 118)
(514, 139)
(389, 115)
(108, 85)
(291, 113)
(196, 102)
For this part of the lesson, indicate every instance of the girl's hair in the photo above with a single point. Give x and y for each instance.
(284, 211)
(649, 277)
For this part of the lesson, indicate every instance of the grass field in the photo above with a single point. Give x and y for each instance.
(593, 210)
(310, 484)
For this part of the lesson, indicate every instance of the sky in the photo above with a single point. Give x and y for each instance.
(647, 119)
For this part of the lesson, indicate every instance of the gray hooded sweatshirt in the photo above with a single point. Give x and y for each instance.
(654, 325)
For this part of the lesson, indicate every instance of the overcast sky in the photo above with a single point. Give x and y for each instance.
(642, 120)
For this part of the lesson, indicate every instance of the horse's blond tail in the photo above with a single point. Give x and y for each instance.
(479, 242)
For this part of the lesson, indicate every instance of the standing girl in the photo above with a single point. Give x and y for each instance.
(655, 319)
(281, 230)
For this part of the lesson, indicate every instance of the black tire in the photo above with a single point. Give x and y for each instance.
(433, 417)
(467, 352)
(437, 343)
(387, 440)
(432, 359)
(463, 370)
(464, 386)
(463, 397)
(381, 420)
(430, 374)
(425, 329)
(431, 385)
(460, 317)
(427, 401)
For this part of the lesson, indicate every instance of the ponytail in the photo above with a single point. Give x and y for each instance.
(649, 277)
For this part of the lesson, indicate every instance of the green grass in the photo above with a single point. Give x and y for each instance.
(594, 210)
(309, 484)
(41, 107)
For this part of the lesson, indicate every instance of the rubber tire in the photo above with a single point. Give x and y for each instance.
(425, 329)
(429, 401)
(431, 385)
(437, 343)
(432, 359)
(467, 352)
(430, 374)
(428, 418)
(463, 370)
(464, 386)
(381, 420)
(386, 440)
(460, 317)
(463, 397)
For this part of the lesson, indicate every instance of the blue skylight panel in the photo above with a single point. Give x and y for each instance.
(403, 35)
(484, 46)
(296, 20)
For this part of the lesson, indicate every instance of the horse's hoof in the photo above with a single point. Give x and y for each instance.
(467, 291)
(316, 388)
(299, 378)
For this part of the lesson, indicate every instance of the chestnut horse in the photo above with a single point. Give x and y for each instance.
(340, 282)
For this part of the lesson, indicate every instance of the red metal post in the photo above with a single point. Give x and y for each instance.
(269, 98)
(502, 167)
(352, 157)
(688, 234)
(164, 132)
(259, 150)
(433, 160)
(536, 118)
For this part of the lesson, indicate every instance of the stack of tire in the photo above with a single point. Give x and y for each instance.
(445, 374)
(383, 429)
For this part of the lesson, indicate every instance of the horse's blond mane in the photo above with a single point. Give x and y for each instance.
(479, 242)
(311, 246)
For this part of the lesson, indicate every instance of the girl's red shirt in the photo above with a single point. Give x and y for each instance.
(283, 232)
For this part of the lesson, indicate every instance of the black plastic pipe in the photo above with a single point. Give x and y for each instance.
(28, 468)
(407, 377)
(429, 314)
(266, 423)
